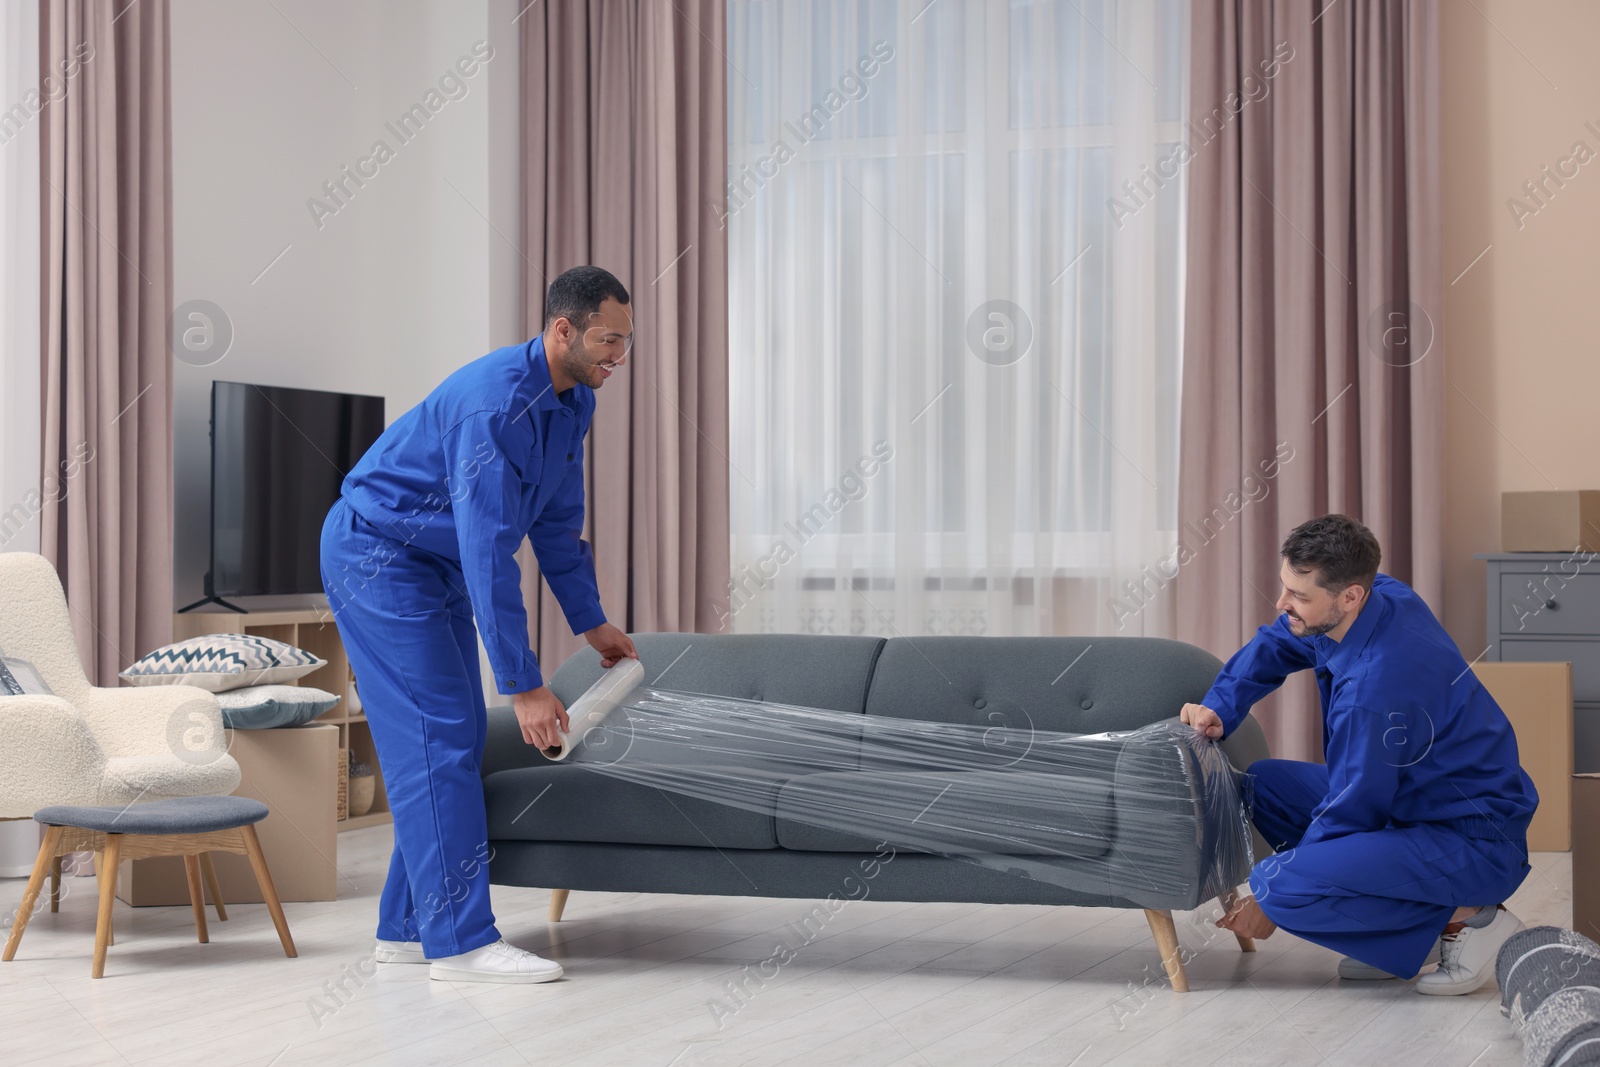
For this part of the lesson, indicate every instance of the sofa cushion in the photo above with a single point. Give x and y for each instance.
(571, 802)
(811, 671)
(1013, 813)
(1011, 686)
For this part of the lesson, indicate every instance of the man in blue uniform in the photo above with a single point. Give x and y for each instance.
(419, 545)
(1404, 846)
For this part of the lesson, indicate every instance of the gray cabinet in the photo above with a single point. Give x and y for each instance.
(1546, 606)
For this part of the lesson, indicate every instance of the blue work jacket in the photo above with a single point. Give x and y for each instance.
(1409, 733)
(491, 456)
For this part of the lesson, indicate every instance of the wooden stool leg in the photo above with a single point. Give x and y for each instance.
(211, 884)
(197, 900)
(558, 904)
(111, 938)
(55, 884)
(258, 863)
(1166, 935)
(30, 896)
(108, 893)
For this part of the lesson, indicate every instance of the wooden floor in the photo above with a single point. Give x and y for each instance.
(649, 981)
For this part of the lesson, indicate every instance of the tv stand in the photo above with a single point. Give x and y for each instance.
(212, 598)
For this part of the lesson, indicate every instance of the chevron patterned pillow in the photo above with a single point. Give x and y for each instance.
(220, 662)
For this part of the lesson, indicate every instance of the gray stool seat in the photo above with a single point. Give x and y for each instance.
(179, 815)
(190, 827)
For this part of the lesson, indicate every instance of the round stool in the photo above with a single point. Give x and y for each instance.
(182, 826)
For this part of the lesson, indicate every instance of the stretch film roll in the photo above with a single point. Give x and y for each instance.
(615, 686)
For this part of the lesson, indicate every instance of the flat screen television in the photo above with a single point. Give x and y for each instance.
(278, 457)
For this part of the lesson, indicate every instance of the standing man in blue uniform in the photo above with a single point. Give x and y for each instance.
(1405, 845)
(419, 545)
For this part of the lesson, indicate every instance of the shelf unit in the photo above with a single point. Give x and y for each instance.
(312, 629)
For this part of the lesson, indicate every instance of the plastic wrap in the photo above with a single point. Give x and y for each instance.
(1152, 816)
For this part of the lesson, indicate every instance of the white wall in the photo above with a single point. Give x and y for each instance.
(407, 280)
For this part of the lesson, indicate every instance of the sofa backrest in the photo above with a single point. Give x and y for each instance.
(810, 671)
(831, 673)
(1056, 684)
(1059, 684)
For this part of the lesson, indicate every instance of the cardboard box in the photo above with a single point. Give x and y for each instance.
(1557, 520)
(1586, 856)
(1537, 698)
(293, 770)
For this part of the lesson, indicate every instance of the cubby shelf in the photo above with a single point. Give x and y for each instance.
(312, 629)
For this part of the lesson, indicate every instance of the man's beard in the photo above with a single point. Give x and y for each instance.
(577, 362)
(1322, 628)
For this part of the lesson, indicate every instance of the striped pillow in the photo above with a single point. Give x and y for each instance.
(220, 662)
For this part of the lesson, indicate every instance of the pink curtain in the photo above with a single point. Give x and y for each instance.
(106, 262)
(624, 165)
(1313, 308)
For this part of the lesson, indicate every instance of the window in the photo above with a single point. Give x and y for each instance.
(955, 254)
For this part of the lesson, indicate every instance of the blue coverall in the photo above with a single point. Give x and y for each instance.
(421, 543)
(1422, 806)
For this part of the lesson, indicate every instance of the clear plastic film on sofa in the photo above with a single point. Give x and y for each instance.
(1154, 817)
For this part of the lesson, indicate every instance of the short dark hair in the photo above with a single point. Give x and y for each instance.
(1341, 550)
(578, 294)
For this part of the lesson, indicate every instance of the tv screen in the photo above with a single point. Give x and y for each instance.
(278, 457)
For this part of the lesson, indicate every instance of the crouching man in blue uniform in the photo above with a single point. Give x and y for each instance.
(418, 546)
(1402, 849)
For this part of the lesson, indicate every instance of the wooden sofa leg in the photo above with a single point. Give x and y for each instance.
(1166, 935)
(558, 904)
(1230, 901)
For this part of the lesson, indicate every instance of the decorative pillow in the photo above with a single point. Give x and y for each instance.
(266, 707)
(220, 662)
(18, 677)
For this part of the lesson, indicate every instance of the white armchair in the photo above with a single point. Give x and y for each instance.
(84, 744)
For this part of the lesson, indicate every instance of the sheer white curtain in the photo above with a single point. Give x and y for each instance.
(954, 328)
(21, 97)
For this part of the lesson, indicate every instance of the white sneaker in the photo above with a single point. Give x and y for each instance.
(1467, 957)
(398, 952)
(499, 962)
(1353, 970)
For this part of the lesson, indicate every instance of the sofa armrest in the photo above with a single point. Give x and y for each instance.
(1246, 744)
(1182, 834)
(503, 747)
(48, 755)
(180, 720)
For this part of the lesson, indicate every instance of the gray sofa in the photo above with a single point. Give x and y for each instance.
(588, 830)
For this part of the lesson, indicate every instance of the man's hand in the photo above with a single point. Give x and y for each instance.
(1202, 718)
(1248, 920)
(612, 644)
(539, 713)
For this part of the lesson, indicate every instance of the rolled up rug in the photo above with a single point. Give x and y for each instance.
(1535, 963)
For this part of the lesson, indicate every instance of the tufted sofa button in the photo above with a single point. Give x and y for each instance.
(980, 703)
(1086, 705)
